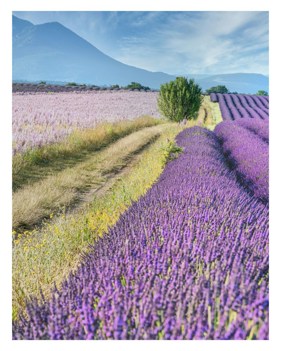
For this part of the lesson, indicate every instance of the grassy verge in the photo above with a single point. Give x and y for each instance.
(43, 258)
(35, 164)
(209, 115)
(35, 202)
(212, 113)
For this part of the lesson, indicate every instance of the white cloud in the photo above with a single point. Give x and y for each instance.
(207, 42)
(175, 42)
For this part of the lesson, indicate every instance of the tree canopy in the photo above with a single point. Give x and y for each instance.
(262, 93)
(135, 85)
(180, 99)
(219, 89)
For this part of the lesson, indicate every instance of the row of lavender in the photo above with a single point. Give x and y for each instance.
(245, 144)
(239, 106)
(189, 260)
(40, 119)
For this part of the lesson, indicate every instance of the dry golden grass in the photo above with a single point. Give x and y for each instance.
(34, 202)
(47, 256)
(36, 164)
(210, 113)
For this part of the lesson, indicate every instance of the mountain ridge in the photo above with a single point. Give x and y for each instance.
(52, 52)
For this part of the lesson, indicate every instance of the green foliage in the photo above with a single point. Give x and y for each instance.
(72, 84)
(219, 89)
(42, 82)
(114, 86)
(138, 86)
(262, 93)
(180, 99)
(171, 151)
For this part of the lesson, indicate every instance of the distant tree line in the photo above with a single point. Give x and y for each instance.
(262, 93)
(222, 89)
(131, 86)
(137, 86)
(219, 89)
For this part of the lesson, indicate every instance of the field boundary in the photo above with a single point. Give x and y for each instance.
(38, 163)
(49, 255)
(37, 202)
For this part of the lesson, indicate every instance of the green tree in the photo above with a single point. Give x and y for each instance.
(72, 84)
(262, 93)
(135, 85)
(180, 99)
(219, 89)
(114, 86)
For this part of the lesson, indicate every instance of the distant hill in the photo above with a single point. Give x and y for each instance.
(53, 53)
(239, 82)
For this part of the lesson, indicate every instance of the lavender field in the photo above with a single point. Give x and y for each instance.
(240, 106)
(140, 194)
(189, 260)
(42, 118)
(247, 151)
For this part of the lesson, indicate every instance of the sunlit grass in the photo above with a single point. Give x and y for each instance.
(213, 113)
(37, 201)
(45, 257)
(35, 164)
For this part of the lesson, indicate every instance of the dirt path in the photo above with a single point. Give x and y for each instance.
(74, 186)
(110, 177)
(48, 255)
(209, 114)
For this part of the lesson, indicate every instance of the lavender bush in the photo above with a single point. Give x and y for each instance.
(249, 154)
(257, 126)
(213, 97)
(189, 260)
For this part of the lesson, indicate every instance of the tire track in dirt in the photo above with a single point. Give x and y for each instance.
(68, 190)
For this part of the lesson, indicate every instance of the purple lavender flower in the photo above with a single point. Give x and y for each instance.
(198, 246)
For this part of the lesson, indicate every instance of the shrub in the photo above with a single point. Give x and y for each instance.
(262, 93)
(219, 89)
(71, 84)
(180, 99)
(115, 86)
(138, 86)
(171, 151)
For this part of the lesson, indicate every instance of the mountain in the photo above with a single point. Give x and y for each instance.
(52, 52)
(19, 25)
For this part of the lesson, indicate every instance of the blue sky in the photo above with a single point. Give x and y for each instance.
(173, 42)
